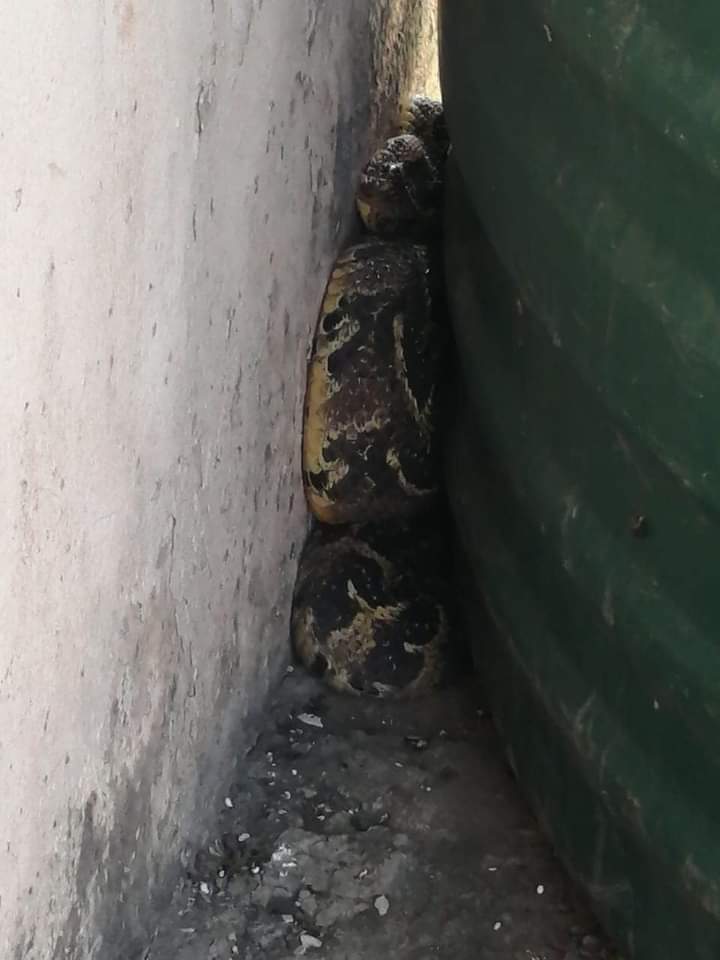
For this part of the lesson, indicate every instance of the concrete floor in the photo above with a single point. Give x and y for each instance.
(368, 829)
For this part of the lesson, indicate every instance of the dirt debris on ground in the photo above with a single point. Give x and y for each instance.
(368, 829)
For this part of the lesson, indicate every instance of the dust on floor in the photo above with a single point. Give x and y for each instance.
(368, 829)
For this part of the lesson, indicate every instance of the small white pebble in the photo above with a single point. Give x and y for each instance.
(540, 890)
(287, 918)
(363, 874)
(287, 795)
(243, 837)
(294, 772)
(311, 720)
(205, 888)
(221, 873)
(398, 764)
(310, 943)
(290, 669)
(382, 905)
(255, 870)
(497, 926)
(228, 803)
(187, 930)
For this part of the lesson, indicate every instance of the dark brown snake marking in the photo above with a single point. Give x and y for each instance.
(369, 616)
(369, 441)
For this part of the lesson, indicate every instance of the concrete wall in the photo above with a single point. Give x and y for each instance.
(175, 179)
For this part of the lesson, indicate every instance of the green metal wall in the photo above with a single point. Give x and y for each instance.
(583, 258)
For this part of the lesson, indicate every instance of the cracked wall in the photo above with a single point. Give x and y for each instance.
(176, 180)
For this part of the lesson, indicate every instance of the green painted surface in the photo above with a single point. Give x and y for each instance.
(583, 250)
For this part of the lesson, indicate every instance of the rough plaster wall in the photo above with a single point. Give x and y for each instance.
(176, 177)
(406, 32)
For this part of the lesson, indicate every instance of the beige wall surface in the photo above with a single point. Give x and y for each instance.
(175, 180)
